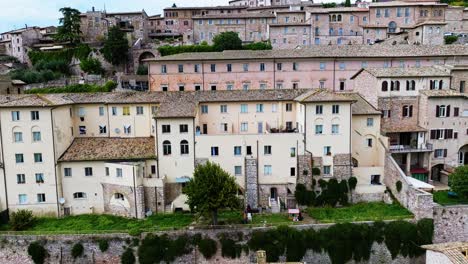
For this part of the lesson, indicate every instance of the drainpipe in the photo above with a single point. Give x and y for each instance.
(350, 139)
(156, 144)
(134, 192)
(274, 73)
(55, 162)
(3, 167)
(334, 73)
(194, 152)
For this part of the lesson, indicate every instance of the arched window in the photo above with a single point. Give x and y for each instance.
(317, 31)
(17, 135)
(392, 27)
(413, 85)
(397, 85)
(339, 17)
(119, 196)
(384, 86)
(167, 150)
(355, 163)
(407, 85)
(331, 31)
(334, 18)
(329, 18)
(440, 84)
(430, 29)
(79, 195)
(184, 147)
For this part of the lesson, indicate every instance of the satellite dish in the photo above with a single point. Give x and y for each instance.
(117, 130)
(62, 200)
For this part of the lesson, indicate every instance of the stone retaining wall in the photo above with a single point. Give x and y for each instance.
(450, 223)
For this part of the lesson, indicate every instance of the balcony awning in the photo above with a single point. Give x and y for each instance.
(419, 170)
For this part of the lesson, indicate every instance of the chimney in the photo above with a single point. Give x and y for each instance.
(26, 26)
(93, 8)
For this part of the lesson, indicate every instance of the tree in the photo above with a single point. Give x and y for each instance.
(116, 47)
(227, 41)
(458, 181)
(69, 31)
(347, 3)
(450, 39)
(211, 189)
(91, 66)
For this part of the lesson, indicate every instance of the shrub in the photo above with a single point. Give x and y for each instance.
(77, 250)
(258, 46)
(142, 70)
(135, 232)
(316, 171)
(22, 220)
(207, 247)
(76, 88)
(398, 186)
(458, 181)
(91, 66)
(128, 257)
(155, 249)
(229, 248)
(37, 252)
(450, 39)
(103, 245)
(352, 182)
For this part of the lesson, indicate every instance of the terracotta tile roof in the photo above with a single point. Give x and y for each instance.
(404, 3)
(429, 71)
(392, 127)
(337, 9)
(236, 15)
(101, 149)
(324, 95)
(325, 51)
(443, 93)
(454, 251)
(251, 95)
(361, 106)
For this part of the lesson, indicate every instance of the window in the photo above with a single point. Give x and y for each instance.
(19, 158)
(262, 66)
(245, 86)
(118, 172)
(163, 88)
(114, 111)
(259, 108)
(204, 109)
(386, 113)
(163, 69)
(79, 195)
(319, 109)
(20, 178)
(237, 150)
(267, 150)
(107, 171)
(167, 150)
(342, 85)
(119, 196)
(166, 129)
(335, 109)
(456, 111)
(181, 68)
(279, 85)
(292, 172)
(295, 66)
(375, 179)
(101, 110)
(22, 198)
(321, 84)
(326, 170)
(274, 108)
(245, 67)
(102, 129)
(244, 108)
(213, 67)
(279, 66)
(183, 128)
(18, 137)
(184, 147)
(139, 110)
(407, 111)
(39, 178)
(153, 169)
(440, 153)
(322, 66)
(369, 142)
(15, 115)
(34, 115)
(327, 150)
(288, 107)
(214, 151)
(335, 129)
(370, 122)
(395, 86)
(318, 129)
(41, 198)
(127, 129)
(342, 66)
(37, 157)
(267, 170)
(88, 171)
(244, 127)
(224, 127)
(237, 170)
(410, 85)
(292, 152)
(82, 130)
(229, 67)
(126, 110)
(223, 108)
(67, 172)
(443, 134)
(196, 68)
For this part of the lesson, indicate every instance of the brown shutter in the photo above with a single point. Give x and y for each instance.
(433, 134)
(437, 110)
(455, 135)
(456, 111)
(445, 153)
(448, 111)
(410, 110)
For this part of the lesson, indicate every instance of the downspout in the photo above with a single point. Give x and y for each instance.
(108, 121)
(274, 73)
(350, 139)
(258, 168)
(134, 192)
(194, 152)
(156, 144)
(55, 162)
(3, 167)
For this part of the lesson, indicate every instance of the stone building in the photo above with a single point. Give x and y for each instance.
(9, 86)
(18, 42)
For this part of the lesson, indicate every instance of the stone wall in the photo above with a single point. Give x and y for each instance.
(342, 166)
(251, 183)
(419, 202)
(450, 223)
(109, 191)
(171, 191)
(304, 164)
(264, 193)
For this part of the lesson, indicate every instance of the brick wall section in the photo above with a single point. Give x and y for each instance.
(395, 104)
(342, 166)
(420, 203)
(110, 189)
(304, 164)
(450, 223)
(251, 183)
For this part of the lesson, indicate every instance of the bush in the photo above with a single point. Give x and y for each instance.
(258, 46)
(76, 88)
(91, 66)
(135, 232)
(207, 247)
(155, 249)
(103, 245)
(450, 39)
(458, 181)
(316, 171)
(352, 182)
(229, 248)
(142, 70)
(77, 250)
(128, 257)
(398, 186)
(33, 76)
(37, 252)
(21, 220)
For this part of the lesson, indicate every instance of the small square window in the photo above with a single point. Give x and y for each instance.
(267, 150)
(237, 170)
(88, 171)
(183, 128)
(166, 129)
(67, 172)
(118, 172)
(326, 170)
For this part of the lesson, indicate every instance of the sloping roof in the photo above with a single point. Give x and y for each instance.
(325, 51)
(443, 93)
(99, 149)
(250, 95)
(404, 3)
(235, 15)
(324, 95)
(337, 10)
(362, 107)
(453, 250)
(394, 72)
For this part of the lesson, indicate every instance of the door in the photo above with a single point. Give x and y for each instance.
(205, 129)
(273, 193)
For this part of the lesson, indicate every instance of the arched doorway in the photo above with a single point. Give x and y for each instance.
(463, 155)
(392, 27)
(144, 56)
(273, 193)
(436, 172)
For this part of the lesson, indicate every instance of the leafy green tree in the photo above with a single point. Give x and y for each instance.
(347, 3)
(227, 41)
(116, 46)
(211, 189)
(91, 66)
(22, 219)
(458, 181)
(69, 30)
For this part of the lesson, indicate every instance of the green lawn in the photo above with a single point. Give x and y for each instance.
(235, 218)
(359, 212)
(107, 223)
(442, 198)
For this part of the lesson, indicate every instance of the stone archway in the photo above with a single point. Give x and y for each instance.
(436, 172)
(145, 55)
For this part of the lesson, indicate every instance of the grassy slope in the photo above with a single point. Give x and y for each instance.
(442, 198)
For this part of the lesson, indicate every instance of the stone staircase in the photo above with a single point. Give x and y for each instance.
(275, 207)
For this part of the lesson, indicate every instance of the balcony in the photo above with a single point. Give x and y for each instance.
(426, 147)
